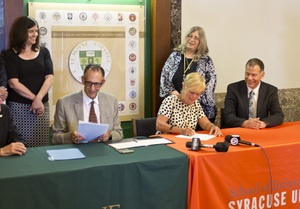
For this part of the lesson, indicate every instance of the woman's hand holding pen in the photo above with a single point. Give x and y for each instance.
(188, 131)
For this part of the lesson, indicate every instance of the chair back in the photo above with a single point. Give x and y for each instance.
(144, 127)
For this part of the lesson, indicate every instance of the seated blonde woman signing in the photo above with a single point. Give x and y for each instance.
(179, 114)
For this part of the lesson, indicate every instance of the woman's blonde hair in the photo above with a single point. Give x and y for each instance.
(194, 82)
(202, 46)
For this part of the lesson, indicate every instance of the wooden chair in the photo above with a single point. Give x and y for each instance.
(143, 127)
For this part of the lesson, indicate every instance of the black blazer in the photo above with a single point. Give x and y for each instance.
(8, 131)
(236, 109)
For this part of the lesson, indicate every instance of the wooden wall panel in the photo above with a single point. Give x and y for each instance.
(12, 10)
(161, 44)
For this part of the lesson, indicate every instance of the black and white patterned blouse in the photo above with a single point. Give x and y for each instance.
(205, 67)
(179, 113)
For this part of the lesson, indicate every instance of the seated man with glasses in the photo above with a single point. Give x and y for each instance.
(86, 105)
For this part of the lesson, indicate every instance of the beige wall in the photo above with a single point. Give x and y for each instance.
(237, 30)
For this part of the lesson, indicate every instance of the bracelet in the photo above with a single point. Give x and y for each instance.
(171, 129)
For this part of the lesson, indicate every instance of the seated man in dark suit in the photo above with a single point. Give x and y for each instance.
(251, 103)
(10, 138)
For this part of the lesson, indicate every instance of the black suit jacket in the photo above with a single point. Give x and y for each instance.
(236, 109)
(8, 131)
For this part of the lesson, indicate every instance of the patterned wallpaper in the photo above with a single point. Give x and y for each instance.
(175, 23)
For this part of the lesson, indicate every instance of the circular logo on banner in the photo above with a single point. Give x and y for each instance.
(121, 107)
(132, 57)
(132, 17)
(132, 31)
(56, 16)
(70, 16)
(83, 16)
(132, 94)
(107, 17)
(42, 15)
(132, 44)
(43, 31)
(132, 106)
(95, 16)
(132, 81)
(132, 70)
(89, 52)
(120, 17)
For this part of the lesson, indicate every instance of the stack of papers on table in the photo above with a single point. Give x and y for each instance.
(65, 154)
(134, 142)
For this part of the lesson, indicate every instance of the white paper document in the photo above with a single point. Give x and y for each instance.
(91, 130)
(129, 143)
(202, 137)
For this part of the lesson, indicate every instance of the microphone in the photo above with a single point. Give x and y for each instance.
(196, 145)
(235, 140)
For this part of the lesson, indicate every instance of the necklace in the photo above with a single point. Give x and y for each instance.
(185, 69)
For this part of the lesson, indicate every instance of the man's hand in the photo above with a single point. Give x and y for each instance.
(15, 148)
(254, 123)
(104, 137)
(77, 138)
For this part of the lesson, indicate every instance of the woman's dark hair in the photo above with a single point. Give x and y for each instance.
(19, 34)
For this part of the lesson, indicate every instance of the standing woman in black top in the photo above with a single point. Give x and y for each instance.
(29, 71)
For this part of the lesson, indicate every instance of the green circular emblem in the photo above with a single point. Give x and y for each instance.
(89, 52)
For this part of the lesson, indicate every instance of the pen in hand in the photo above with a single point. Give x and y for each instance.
(189, 130)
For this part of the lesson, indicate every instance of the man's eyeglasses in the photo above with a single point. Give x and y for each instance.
(89, 84)
(193, 37)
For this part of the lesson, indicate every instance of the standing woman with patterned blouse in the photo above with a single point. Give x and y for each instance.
(180, 114)
(29, 71)
(191, 56)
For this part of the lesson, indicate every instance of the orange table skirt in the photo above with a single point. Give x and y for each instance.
(240, 178)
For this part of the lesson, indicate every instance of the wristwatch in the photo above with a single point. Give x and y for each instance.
(171, 129)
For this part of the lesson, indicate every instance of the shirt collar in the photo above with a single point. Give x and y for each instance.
(88, 100)
(255, 90)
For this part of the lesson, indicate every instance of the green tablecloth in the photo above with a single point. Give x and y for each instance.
(153, 177)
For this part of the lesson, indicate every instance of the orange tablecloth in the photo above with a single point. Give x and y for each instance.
(240, 178)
